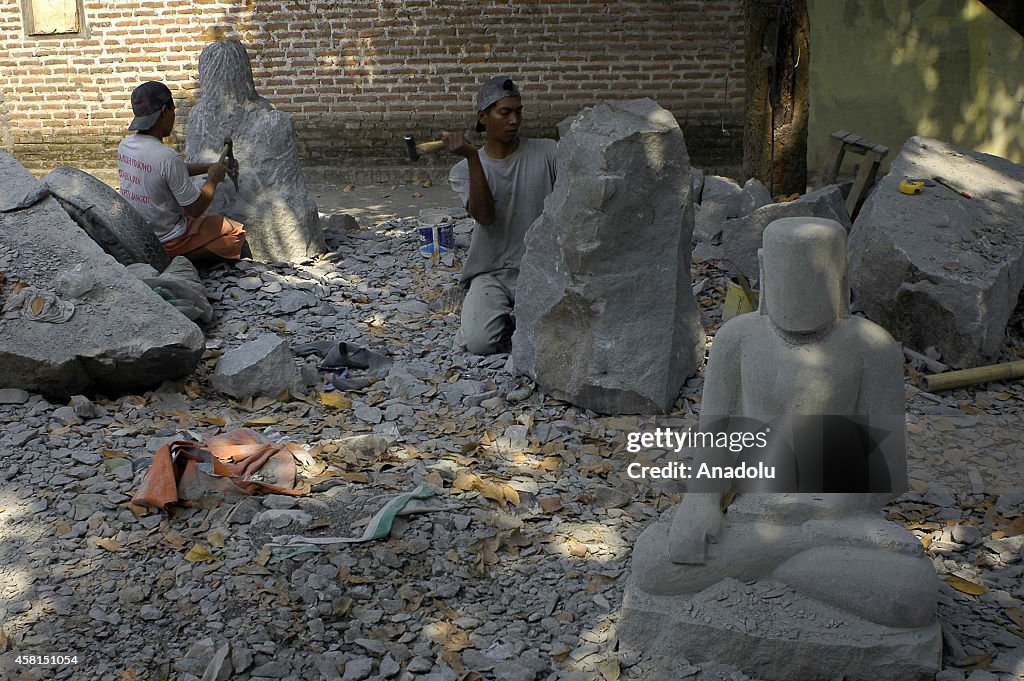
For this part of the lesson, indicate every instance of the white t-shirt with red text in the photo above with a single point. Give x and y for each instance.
(155, 181)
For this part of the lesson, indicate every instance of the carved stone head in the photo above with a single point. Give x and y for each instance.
(804, 287)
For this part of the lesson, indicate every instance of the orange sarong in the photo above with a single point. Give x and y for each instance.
(216, 233)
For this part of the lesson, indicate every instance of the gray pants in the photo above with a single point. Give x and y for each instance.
(487, 321)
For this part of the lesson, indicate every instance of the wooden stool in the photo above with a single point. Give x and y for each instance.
(873, 154)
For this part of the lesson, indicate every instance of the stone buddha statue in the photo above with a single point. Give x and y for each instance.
(800, 364)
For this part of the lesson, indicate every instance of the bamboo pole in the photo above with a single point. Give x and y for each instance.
(974, 376)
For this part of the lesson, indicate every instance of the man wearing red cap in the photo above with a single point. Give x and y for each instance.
(503, 186)
(156, 181)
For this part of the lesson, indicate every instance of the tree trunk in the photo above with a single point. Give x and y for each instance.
(777, 56)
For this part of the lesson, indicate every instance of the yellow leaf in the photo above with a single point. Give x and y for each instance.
(966, 586)
(511, 495)
(1017, 615)
(199, 554)
(926, 541)
(335, 400)
(211, 420)
(466, 482)
(114, 454)
(263, 556)
(262, 421)
(37, 306)
(216, 538)
(492, 492)
(109, 544)
(137, 511)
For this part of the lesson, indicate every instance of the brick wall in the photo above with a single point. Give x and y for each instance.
(358, 74)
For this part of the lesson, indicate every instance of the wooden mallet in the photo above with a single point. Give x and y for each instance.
(422, 148)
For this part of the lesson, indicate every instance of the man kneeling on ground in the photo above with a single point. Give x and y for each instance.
(503, 186)
(155, 180)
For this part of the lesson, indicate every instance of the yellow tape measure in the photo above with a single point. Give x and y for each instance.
(911, 187)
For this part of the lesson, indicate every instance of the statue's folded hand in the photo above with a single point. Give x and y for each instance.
(696, 521)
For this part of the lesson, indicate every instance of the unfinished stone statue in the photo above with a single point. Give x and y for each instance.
(605, 313)
(280, 217)
(787, 585)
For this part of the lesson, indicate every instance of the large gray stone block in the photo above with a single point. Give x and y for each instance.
(264, 366)
(741, 236)
(121, 337)
(281, 220)
(937, 269)
(605, 314)
(773, 633)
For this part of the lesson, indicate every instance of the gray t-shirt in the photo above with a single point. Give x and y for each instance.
(519, 184)
(155, 180)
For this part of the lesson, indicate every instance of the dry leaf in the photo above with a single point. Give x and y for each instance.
(599, 583)
(211, 420)
(61, 528)
(551, 504)
(216, 538)
(1016, 615)
(1015, 528)
(335, 400)
(108, 544)
(37, 306)
(262, 421)
(342, 606)
(952, 266)
(452, 657)
(466, 482)
(349, 188)
(114, 454)
(577, 549)
(263, 556)
(511, 495)
(919, 486)
(610, 670)
(136, 510)
(926, 541)
(199, 554)
(448, 612)
(965, 586)
(175, 540)
(345, 575)
(434, 479)
(356, 477)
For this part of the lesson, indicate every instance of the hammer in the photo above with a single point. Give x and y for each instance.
(422, 148)
(227, 154)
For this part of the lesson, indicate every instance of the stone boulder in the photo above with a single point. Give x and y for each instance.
(741, 236)
(264, 366)
(605, 314)
(281, 220)
(723, 199)
(121, 335)
(937, 269)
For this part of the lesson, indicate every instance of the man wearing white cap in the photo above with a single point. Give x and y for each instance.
(502, 185)
(155, 180)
